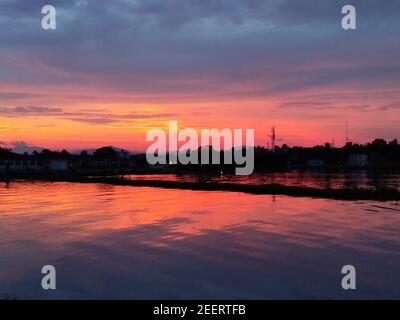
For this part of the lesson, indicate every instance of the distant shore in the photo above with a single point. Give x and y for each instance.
(382, 194)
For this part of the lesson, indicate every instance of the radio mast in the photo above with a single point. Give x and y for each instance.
(273, 138)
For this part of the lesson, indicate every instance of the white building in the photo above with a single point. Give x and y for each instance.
(19, 164)
(315, 163)
(58, 165)
(29, 164)
(358, 160)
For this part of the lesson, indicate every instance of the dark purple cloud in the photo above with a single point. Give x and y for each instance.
(28, 110)
(95, 116)
(190, 48)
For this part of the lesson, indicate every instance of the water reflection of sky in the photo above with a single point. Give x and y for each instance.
(125, 242)
(314, 179)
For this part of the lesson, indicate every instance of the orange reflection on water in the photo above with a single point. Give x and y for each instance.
(62, 212)
(130, 242)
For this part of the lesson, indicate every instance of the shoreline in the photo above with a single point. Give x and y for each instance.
(266, 189)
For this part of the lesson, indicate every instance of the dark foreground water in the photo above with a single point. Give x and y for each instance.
(146, 243)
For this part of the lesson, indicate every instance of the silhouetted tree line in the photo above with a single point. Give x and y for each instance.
(379, 153)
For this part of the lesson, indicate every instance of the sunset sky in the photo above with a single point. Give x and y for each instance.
(114, 69)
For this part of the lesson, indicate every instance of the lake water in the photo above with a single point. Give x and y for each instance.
(147, 243)
(314, 179)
